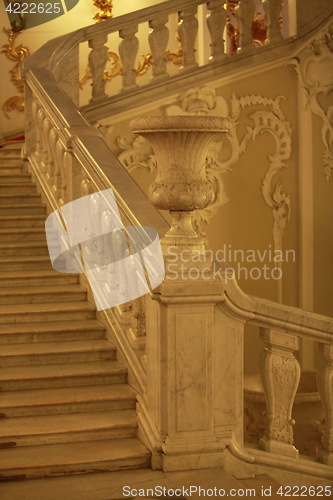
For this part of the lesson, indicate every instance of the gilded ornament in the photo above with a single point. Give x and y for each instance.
(18, 54)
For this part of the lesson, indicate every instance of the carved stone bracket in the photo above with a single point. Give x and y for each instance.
(315, 71)
(325, 385)
(280, 373)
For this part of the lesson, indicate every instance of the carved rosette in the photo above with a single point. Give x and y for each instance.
(280, 373)
(180, 144)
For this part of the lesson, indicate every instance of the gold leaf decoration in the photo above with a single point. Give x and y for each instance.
(105, 10)
(18, 54)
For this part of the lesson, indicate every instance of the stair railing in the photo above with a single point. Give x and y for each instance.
(281, 329)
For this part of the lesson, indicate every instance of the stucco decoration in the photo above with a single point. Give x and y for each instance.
(136, 153)
(271, 119)
(315, 70)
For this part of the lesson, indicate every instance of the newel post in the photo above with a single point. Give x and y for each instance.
(188, 412)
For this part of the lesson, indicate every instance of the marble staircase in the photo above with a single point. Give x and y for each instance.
(65, 405)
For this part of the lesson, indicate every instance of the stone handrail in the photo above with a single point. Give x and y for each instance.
(281, 327)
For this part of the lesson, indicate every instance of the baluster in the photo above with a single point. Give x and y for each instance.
(38, 146)
(43, 143)
(216, 23)
(137, 331)
(98, 58)
(188, 30)
(245, 14)
(325, 386)
(158, 41)
(280, 373)
(273, 11)
(128, 50)
(46, 149)
(50, 175)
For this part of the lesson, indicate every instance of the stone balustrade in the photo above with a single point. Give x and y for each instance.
(190, 414)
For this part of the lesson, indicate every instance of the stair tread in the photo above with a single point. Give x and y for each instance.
(21, 195)
(59, 370)
(33, 274)
(56, 347)
(67, 422)
(23, 244)
(63, 395)
(16, 184)
(46, 307)
(23, 176)
(38, 289)
(19, 217)
(72, 453)
(18, 230)
(22, 205)
(52, 326)
(25, 258)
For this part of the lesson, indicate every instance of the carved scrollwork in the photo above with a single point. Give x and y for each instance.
(279, 428)
(315, 71)
(280, 373)
(136, 153)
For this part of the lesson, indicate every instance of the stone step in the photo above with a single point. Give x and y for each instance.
(23, 209)
(24, 248)
(14, 178)
(75, 458)
(14, 378)
(42, 294)
(56, 352)
(68, 428)
(51, 331)
(67, 400)
(42, 277)
(22, 221)
(10, 152)
(16, 188)
(22, 313)
(12, 170)
(11, 149)
(24, 199)
(23, 262)
(22, 234)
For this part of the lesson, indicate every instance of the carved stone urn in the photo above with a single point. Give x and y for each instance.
(180, 145)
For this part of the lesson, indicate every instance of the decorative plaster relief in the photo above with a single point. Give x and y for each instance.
(315, 71)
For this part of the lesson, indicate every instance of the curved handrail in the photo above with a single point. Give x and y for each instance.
(269, 314)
